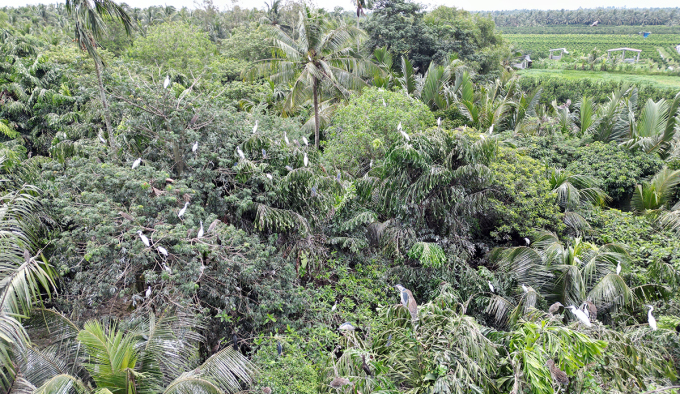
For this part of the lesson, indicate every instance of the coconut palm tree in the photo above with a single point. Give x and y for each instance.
(146, 355)
(89, 27)
(24, 277)
(655, 129)
(573, 192)
(570, 273)
(318, 59)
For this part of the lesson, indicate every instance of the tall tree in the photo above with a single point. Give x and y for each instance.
(89, 27)
(320, 58)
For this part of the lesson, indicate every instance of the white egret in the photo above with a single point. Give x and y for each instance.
(255, 127)
(162, 251)
(285, 138)
(167, 269)
(439, 122)
(580, 315)
(200, 231)
(181, 211)
(527, 241)
(289, 168)
(167, 82)
(384, 103)
(403, 134)
(144, 238)
(270, 177)
(650, 318)
(148, 292)
(491, 130)
(264, 154)
(101, 139)
(526, 290)
(618, 268)
(335, 306)
(305, 141)
(305, 161)
(399, 126)
(491, 287)
(584, 309)
(240, 152)
(136, 163)
(194, 148)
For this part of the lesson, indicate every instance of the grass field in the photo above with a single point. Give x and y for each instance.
(661, 81)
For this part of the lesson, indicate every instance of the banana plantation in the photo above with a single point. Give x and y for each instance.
(295, 200)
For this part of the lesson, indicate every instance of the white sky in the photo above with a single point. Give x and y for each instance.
(477, 5)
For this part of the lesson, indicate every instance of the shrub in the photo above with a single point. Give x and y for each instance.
(365, 129)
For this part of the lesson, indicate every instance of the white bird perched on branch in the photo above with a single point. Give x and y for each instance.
(491, 287)
(166, 83)
(167, 269)
(305, 141)
(526, 290)
(136, 163)
(144, 238)
(403, 133)
(618, 268)
(200, 231)
(650, 318)
(580, 315)
(183, 210)
(334, 307)
(162, 251)
(270, 177)
(305, 161)
(285, 138)
(491, 130)
(194, 148)
(240, 152)
(255, 127)
(439, 122)
(527, 241)
(148, 292)
(101, 139)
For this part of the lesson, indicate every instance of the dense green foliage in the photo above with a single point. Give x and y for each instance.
(168, 224)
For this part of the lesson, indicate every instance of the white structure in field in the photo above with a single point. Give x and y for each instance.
(623, 54)
(562, 51)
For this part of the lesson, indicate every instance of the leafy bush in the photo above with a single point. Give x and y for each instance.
(522, 200)
(616, 169)
(365, 129)
(177, 46)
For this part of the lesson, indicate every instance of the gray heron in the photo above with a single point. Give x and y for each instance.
(557, 374)
(408, 301)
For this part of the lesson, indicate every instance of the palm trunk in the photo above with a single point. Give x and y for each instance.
(316, 114)
(105, 104)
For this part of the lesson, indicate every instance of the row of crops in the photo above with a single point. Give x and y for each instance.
(587, 29)
(538, 45)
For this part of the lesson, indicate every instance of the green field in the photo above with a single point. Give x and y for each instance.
(579, 44)
(661, 81)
